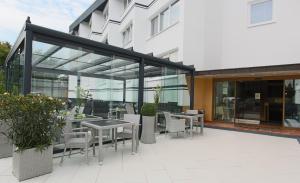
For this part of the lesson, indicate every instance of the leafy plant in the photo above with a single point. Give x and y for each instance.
(82, 96)
(32, 120)
(148, 109)
(157, 92)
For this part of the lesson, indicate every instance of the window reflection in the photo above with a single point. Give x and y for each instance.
(292, 103)
(224, 101)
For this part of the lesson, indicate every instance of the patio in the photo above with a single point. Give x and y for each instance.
(217, 156)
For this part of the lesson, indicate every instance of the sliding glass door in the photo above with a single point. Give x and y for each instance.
(224, 101)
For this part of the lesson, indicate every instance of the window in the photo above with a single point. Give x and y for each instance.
(127, 35)
(166, 18)
(175, 12)
(126, 3)
(261, 12)
(154, 26)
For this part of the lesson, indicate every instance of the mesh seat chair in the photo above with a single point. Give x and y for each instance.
(174, 125)
(127, 131)
(77, 138)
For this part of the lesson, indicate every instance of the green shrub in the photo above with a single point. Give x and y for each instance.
(32, 120)
(148, 109)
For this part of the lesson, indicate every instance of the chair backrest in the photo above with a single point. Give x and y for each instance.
(192, 111)
(168, 119)
(129, 108)
(132, 118)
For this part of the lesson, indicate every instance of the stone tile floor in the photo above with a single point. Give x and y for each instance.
(219, 156)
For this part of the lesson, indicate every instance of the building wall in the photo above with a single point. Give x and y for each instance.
(231, 43)
(203, 98)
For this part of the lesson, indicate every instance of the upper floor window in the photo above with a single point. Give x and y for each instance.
(166, 18)
(154, 26)
(127, 35)
(126, 3)
(261, 11)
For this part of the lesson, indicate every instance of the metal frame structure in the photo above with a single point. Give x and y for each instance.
(33, 32)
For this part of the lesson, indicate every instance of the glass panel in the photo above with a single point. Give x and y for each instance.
(292, 103)
(164, 19)
(248, 107)
(224, 101)
(154, 26)
(175, 12)
(16, 73)
(261, 12)
(174, 93)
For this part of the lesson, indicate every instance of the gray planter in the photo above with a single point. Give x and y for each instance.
(148, 135)
(5, 145)
(31, 163)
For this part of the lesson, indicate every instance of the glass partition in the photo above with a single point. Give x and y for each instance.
(94, 83)
(172, 86)
(16, 73)
(292, 103)
(224, 105)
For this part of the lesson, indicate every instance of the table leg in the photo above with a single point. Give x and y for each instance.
(116, 139)
(202, 124)
(132, 139)
(100, 155)
(137, 141)
(191, 126)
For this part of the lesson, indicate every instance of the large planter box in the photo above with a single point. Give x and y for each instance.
(5, 145)
(6, 150)
(31, 163)
(148, 135)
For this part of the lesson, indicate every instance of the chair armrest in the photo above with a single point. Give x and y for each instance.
(76, 133)
(82, 128)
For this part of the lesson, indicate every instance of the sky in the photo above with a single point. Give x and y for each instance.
(54, 14)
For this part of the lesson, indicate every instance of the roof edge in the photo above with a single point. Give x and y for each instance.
(87, 13)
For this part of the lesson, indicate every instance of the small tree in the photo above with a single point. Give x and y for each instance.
(32, 120)
(157, 92)
(4, 50)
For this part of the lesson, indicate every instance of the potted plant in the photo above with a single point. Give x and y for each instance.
(33, 123)
(82, 97)
(148, 113)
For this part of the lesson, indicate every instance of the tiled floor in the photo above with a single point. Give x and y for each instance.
(219, 156)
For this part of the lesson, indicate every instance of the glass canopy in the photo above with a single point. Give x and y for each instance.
(65, 66)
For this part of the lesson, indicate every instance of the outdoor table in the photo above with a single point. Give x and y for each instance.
(191, 118)
(105, 124)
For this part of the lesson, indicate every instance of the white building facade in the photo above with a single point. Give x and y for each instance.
(237, 47)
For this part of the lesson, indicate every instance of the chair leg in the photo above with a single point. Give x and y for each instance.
(123, 137)
(70, 152)
(94, 149)
(63, 155)
(87, 154)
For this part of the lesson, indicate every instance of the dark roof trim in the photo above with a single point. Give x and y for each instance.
(94, 45)
(17, 44)
(249, 70)
(97, 5)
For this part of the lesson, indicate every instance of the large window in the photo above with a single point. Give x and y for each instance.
(292, 103)
(154, 26)
(166, 18)
(261, 12)
(224, 101)
(127, 35)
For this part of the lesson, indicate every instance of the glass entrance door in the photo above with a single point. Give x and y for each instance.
(248, 102)
(259, 102)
